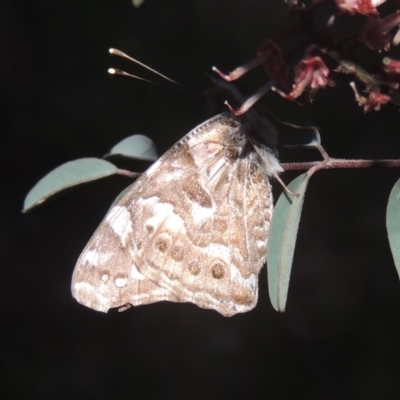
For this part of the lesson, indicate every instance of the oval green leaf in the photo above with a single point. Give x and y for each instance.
(65, 176)
(282, 240)
(139, 147)
(393, 224)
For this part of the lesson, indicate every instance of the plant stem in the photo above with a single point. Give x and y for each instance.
(335, 163)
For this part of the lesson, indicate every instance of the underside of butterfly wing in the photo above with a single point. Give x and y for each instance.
(105, 276)
(193, 228)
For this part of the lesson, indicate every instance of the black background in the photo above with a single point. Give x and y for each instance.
(338, 339)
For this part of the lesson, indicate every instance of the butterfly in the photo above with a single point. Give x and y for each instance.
(194, 226)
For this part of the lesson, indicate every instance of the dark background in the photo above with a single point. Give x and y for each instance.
(338, 339)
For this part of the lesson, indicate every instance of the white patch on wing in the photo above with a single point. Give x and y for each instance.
(84, 287)
(135, 274)
(91, 257)
(174, 223)
(163, 213)
(95, 258)
(200, 213)
(261, 244)
(251, 282)
(121, 282)
(119, 220)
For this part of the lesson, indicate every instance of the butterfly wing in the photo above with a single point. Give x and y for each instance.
(194, 228)
(105, 277)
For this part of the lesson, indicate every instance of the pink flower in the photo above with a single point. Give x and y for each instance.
(310, 72)
(269, 55)
(376, 31)
(391, 67)
(373, 102)
(365, 7)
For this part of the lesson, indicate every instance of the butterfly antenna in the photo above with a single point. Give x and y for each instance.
(121, 54)
(114, 71)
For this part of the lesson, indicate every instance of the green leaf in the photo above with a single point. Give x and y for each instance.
(137, 146)
(68, 175)
(282, 240)
(393, 223)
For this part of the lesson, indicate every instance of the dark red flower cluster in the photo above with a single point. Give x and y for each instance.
(311, 73)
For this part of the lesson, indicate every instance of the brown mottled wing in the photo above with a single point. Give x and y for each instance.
(194, 228)
(105, 277)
